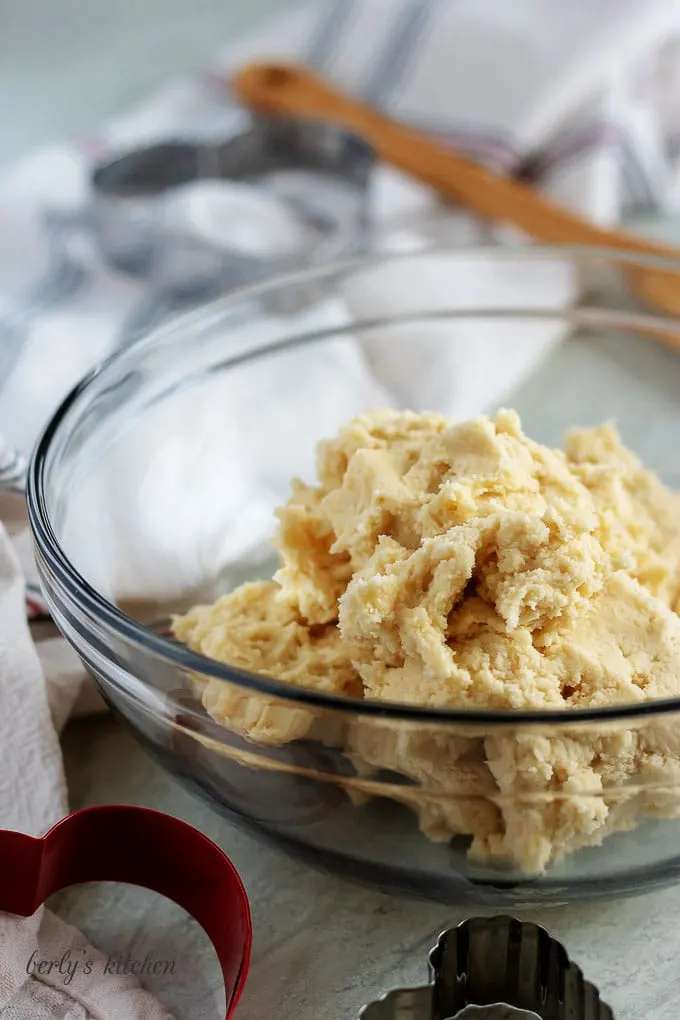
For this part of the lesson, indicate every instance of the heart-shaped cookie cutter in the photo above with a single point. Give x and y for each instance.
(495, 968)
(137, 846)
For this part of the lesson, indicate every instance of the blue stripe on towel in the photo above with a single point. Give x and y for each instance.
(401, 45)
(645, 194)
(335, 17)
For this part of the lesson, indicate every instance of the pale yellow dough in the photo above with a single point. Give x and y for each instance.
(466, 566)
(252, 628)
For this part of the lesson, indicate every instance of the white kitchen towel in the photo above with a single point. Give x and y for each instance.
(49, 972)
(579, 97)
(32, 798)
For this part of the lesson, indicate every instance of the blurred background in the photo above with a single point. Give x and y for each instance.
(66, 66)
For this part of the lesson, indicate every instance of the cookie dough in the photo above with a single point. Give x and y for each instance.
(638, 516)
(253, 629)
(320, 550)
(466, 566)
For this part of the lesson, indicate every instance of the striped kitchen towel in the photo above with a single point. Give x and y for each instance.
(582, 97)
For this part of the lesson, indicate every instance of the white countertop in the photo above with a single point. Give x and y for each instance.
(322, 947)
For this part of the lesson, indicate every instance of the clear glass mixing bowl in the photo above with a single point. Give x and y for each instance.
(154, 485)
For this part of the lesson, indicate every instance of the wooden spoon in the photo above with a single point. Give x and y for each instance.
(290, 90)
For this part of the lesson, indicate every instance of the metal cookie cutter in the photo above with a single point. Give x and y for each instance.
(318, 172)
(495, 968)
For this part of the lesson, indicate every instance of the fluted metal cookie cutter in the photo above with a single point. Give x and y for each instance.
(495, 968)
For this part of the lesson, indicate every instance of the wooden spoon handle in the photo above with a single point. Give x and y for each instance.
(291, 90)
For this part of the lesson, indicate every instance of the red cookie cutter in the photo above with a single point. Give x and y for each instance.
(117, 843)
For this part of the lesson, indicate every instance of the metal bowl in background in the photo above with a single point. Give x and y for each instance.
(319, 172)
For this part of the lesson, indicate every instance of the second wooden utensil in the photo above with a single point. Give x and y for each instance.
(291, 90)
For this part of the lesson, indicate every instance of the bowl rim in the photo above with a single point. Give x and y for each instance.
(149, 641)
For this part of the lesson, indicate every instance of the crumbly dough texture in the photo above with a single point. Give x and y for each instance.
(253, 629)
(466, 566)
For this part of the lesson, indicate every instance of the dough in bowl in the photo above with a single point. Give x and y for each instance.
(465, 566)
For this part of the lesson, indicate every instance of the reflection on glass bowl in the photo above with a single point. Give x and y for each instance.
(154, 486)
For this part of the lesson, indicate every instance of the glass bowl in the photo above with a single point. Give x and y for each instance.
(154, 486)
